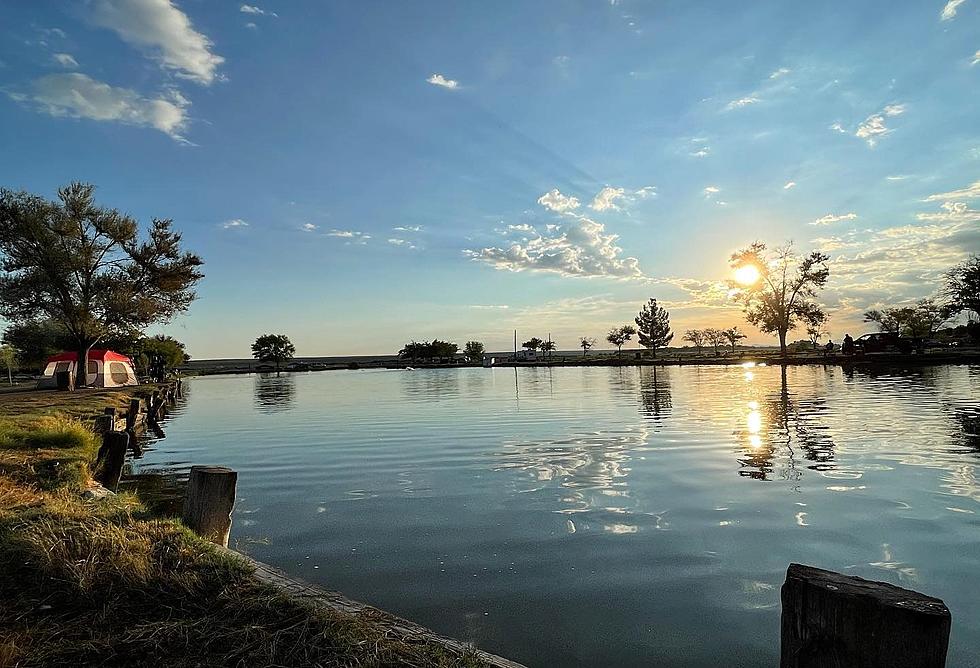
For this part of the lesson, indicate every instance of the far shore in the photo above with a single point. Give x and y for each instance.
(768, 356)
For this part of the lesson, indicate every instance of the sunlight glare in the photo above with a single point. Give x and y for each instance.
(747, 274)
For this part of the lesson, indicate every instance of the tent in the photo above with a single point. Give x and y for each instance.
(106, 368)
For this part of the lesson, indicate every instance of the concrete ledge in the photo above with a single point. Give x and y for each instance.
(396, 625)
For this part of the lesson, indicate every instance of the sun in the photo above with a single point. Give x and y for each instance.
(747, 274)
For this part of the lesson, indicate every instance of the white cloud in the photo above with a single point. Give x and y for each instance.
(711, 191)
(830, 218)
(976, 58)
(577, 247)
(251, 26)
(310, 227)
(838, 128)
(741, 102)
(410, 228)
(404, 243)
(555, 201)
(65, 60)
(233, 223)
(789, 184)
(252, 9)
(646, 191)
(439, 80)
(874, 127)
(162, 29)
(606, 198)
(351, 236)
(76, 95)
(781, 72)
(949, 11)
(897, 177)
(523, 227)
(489, 307)
(972, 191)
(701, 152)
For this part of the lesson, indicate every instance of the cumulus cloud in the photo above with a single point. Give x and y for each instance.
(949, 11)
(741, 102)
(830, 219)
(76, 95)
(606, 198)
(165, 32)
(972, 191)
(439, 80)
(234, 223)
(555, 201)
(65, 60)
(873, 127)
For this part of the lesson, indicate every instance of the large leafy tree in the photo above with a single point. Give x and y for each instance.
(716, 337)
(276, 348)
(427, 350)
(87, 268)
(962, 288)
(919, 321)
(782, 288)
(36, 341)
(474, 351)
(533, 343)
(653, 326)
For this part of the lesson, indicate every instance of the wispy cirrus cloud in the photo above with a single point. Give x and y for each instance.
(781, 72)
(309, 227)
(66, 60)
(873, 128)
(75, 95)
(972, 191)
(741, 102)
(789, 184)
(443, 82)
(831, 218)
(164, 32)
(258, 11)
(234, 223)
(949, 10)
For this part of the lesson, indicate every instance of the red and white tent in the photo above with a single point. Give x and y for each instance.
(106, 368)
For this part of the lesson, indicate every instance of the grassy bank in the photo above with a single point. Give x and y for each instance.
(108, 583)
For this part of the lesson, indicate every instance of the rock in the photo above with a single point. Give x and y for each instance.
(96, 493)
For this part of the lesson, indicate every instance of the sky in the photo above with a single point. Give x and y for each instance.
(360, 174)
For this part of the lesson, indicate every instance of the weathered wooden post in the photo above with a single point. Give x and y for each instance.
(104, 423)
(114, 446)
(209, 501)
(132, 414)
(832, 620)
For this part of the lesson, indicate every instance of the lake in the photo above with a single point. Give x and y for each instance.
(600, 516)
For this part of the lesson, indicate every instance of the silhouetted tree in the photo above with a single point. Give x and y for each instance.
(619, 336)
(473, 350)
(170, 349)
(585, 343)
(533, 343)
(715, 337)
(732, 335)
(780, 296)
(962, 288)
(695, 336)
(428, 350)
(653, 326)
(85, 268)
(273, 348)
(549, 347)
(815, 320)
(919, 321)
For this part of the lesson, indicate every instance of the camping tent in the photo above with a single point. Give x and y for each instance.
(105, 369)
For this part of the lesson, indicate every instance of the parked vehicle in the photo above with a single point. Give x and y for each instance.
(882, 342)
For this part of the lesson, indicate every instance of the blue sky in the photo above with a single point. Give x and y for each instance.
(357, 174)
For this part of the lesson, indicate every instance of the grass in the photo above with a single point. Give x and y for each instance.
(109, 583)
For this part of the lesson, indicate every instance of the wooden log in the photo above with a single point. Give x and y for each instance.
(209, 502)
(832, 620)
(133, 414)
(114, 446)
(104, 423)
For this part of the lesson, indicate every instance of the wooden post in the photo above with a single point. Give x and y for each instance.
(104, 423)
(209, 501)
(114, 446)
(110, 410)
(132, 414)
(832, 620)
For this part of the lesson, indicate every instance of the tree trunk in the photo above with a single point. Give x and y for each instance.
(782, 343)
(81, 364)
(654, 349)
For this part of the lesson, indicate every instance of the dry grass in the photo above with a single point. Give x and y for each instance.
(107, 583)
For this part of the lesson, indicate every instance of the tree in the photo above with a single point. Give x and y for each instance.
(919, 321)
(732, 335)
(8, 357)
(549, 347)
(170, 349)
(36, 341)
(273, 348)
(585, 343)
(962, 289)
(715, 337)
(473, 350)
(86, 268)
(533, 344)
(815, 320)
(619, 336)
(780, 288)
(427, 351)
(695, 336)
(653, 326)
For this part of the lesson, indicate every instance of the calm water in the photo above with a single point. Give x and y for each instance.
(601, 516)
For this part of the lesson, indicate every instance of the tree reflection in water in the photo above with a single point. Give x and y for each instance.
(779, 425)
(655, 401)
(274, 393)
